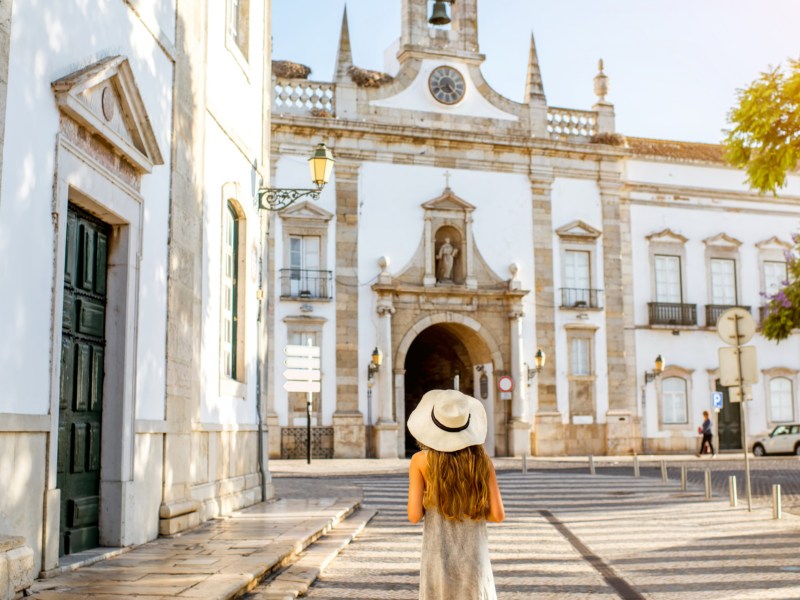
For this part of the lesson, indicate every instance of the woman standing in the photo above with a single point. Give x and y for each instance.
(452, 484)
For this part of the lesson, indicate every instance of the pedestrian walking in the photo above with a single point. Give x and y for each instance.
(452, 484)
(707, 445)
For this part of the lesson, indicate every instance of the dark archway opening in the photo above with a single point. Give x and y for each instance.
(434, 360)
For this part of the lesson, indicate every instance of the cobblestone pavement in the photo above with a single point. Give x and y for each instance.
(572, 535)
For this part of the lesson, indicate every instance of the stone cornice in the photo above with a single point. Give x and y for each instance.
(342, 130)
(451, 290)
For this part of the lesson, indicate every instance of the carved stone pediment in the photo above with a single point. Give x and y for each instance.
(578, 231)
(668, 236)
(105, 99)
(722, 240)
(448, 202)
(773, 243)
(305, 212)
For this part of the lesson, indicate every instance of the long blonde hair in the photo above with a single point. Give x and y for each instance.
(457, 483)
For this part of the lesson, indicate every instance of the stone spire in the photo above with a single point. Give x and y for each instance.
(534, 87)
(344, 58)
(600, 83)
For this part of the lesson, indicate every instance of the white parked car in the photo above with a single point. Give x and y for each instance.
(784, 439)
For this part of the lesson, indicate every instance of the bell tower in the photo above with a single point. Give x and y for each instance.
(421, 39)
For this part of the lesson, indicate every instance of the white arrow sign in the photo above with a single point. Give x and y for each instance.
(303, 374)
(302, 386)
(307, 351)
(299, 362)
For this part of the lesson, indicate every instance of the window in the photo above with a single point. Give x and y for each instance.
(774, 276)
(576, 270)
(781, 399)
(230, 290)
(674, 401)
(723, 281)
(668, 278)
(239, 24)
(581, 372)
(304, 265)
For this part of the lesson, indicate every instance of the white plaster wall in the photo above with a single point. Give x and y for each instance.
(292, 172)
(226, 165)
(391, 224)
(147, 480)
(48, 41)
(573, 200)
(417, 96)
(695, 176)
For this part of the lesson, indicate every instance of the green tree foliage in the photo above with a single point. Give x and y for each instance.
(765, 142)
(765, 139)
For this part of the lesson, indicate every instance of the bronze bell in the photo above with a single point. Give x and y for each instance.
(439, 15)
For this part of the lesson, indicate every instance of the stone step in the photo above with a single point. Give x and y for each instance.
(295, 580)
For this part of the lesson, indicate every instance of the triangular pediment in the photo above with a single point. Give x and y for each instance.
(667, 235)
(306, 211)
(578, 230)
(105, 99)
(722, 240)
(773, 243)
(448, 201)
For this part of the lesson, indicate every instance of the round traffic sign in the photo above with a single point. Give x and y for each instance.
(735, 321)
(505, 383)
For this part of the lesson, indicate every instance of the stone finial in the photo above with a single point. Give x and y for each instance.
(514, 282)
(601, 82)
(534, 88)
(384, 277)
(344, 58)
(513, 268)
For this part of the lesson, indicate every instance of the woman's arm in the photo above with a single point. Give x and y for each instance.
(416, 487)
(497, 513)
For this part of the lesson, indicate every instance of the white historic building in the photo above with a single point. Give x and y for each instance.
(134, 138)
(463, 231)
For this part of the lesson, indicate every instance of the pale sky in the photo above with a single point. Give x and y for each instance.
(674, 65)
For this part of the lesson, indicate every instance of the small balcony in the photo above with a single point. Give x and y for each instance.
(714, 312)
(579, 299)
(672, 313)
(306, 284)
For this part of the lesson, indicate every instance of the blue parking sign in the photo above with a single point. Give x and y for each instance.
(716, 400)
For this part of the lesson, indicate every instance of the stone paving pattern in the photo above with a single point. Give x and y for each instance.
(663, 542)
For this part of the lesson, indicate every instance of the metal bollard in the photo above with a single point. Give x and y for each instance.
(708, 483)
(734, 493)
(664, 471)
(635, 465)
(524, 463)
(591, 465)
(683, 478)
(776, 501)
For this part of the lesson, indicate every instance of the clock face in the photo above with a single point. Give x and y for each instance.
(447, 85)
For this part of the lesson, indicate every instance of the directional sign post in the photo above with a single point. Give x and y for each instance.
(303, 375)
(737, 367)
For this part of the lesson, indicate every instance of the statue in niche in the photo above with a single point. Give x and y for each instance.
(445, 260)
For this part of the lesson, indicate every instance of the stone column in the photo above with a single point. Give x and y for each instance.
(178, 511)
(386, 428)
(430, 274)
(549, 430)
(349, 434)
(519, 433)
(623, 426)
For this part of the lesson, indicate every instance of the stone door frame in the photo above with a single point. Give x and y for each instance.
(80, 180)
(408, 338)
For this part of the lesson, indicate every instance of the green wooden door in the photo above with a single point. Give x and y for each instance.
(82, 352)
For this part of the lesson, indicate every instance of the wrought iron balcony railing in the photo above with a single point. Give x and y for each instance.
(581, 298)
(304, 284)
(672, 313)
(714, 311)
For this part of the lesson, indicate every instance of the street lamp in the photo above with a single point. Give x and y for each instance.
(539, 359)
(320, 165)
(652, 375)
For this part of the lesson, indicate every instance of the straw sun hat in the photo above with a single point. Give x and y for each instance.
(447, 420)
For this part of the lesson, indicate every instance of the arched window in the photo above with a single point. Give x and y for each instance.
(781, 399)
(230, 291)
(674, 406)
